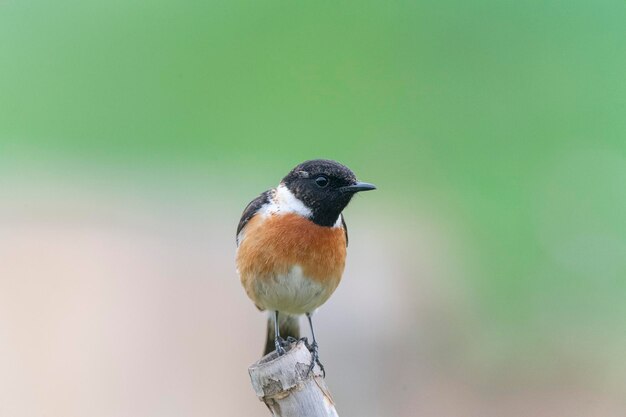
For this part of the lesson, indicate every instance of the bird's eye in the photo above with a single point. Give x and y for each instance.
(322, 181)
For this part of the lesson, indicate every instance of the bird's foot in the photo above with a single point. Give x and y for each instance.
(279, 344)
(315, 357)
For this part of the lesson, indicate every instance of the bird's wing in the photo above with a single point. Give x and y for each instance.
(251, 209)
(345, 228)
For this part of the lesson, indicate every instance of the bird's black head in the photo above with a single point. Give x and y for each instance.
(325, 187)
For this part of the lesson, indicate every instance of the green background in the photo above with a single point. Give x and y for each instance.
(506, 117)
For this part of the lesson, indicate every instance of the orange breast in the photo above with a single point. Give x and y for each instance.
(273, 245)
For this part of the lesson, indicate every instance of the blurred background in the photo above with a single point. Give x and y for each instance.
(485, 277)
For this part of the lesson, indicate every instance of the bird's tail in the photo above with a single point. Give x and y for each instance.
(288, 326)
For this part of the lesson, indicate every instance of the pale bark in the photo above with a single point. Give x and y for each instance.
(282, 383)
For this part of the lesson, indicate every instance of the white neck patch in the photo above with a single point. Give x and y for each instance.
(339, 222)
(283, 201)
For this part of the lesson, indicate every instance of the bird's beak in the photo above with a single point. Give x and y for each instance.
(359, 186)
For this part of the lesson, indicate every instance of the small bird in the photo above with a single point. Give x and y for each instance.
(291, 247)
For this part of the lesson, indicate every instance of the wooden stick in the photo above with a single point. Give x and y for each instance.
(281, 382)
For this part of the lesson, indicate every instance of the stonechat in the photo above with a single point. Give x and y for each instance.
(291, 246)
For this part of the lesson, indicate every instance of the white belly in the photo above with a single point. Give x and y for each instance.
(292, 293)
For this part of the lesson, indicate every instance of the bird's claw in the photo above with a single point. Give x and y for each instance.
(279, 344)
(315, 357)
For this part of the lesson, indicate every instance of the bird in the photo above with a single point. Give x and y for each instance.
(291, 247)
